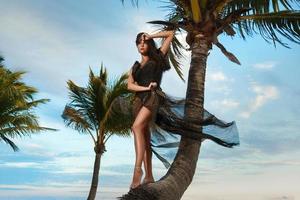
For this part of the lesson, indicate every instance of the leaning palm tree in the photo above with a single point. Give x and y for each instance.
(16, 103)
(93, 111)
(204, 22)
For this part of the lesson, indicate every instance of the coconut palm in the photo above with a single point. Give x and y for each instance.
(93, 111)
(204, 21)
(16, 107)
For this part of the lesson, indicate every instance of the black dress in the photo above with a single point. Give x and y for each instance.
(167, 124)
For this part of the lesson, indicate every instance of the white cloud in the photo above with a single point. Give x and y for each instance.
(218, 81)
(22, 165)
(265, 65)
(225, 103)
(217, 76)
(263, 95)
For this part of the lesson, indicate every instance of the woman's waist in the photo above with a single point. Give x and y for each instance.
(146, 82)
(142, 94)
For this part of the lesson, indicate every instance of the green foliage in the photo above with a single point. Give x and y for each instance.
(17, 118)
(273, 20)
(91, 109)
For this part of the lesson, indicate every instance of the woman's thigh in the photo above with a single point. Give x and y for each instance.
(142, 118)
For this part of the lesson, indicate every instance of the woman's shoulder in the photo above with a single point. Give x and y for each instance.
(135, 65)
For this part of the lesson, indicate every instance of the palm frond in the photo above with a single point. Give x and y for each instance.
(96, 94)
(9, 142)
(97, 101)
(180, 8)
(229, 55)
(81, 100)
(74, 118)
(119, 87)
(16, 103)
(271, 25)
(23, 130)
(103, 74)
(10, 85)
(196, 11)
(1, 60)
(176, 64)
(261, 6)
(229, 30)
(120, 118)
(230, 19)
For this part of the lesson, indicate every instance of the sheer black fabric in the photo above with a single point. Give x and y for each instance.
(150, 72)
(169, 124)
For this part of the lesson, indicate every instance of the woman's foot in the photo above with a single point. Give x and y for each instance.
(148, 180)
(137, 176)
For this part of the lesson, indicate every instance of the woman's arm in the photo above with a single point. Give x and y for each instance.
(134, 87)
(168, 35)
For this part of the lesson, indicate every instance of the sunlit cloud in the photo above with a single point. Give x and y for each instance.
(265, 65)
(217, 76)
(225, 104)
(264, 94)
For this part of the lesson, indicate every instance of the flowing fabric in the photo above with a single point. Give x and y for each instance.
(168, 125)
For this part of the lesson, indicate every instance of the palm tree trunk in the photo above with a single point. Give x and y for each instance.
(180, 174)
(94, 185)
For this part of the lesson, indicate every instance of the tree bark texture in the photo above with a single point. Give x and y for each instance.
(94, 185)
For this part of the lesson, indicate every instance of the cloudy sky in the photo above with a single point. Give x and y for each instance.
(58, 40)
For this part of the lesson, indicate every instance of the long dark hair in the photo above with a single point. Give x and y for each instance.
(153, 52)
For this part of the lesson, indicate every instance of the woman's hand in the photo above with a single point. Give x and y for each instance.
(146, 36)
(152, 85)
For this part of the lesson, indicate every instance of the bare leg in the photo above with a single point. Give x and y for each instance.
(138, 127)
(148, 157)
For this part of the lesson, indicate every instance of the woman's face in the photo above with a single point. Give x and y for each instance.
(142, 47)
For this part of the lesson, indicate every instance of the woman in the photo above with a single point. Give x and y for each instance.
(148, 74)
(158, 118)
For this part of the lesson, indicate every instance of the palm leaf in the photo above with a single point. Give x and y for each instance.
(1, 60)
(261, 6)
(24, 130)
(271, 25)
(80, 101)
(9, 142)
(16, 104)
(120, 118)
(196, 11)
(94, 107)
(74, 118)
(96, 94)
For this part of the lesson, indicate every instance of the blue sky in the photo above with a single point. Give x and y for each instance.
(55, 41)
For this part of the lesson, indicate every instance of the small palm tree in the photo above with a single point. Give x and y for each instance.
(92, 111)
(16, 104)
(204, 21)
